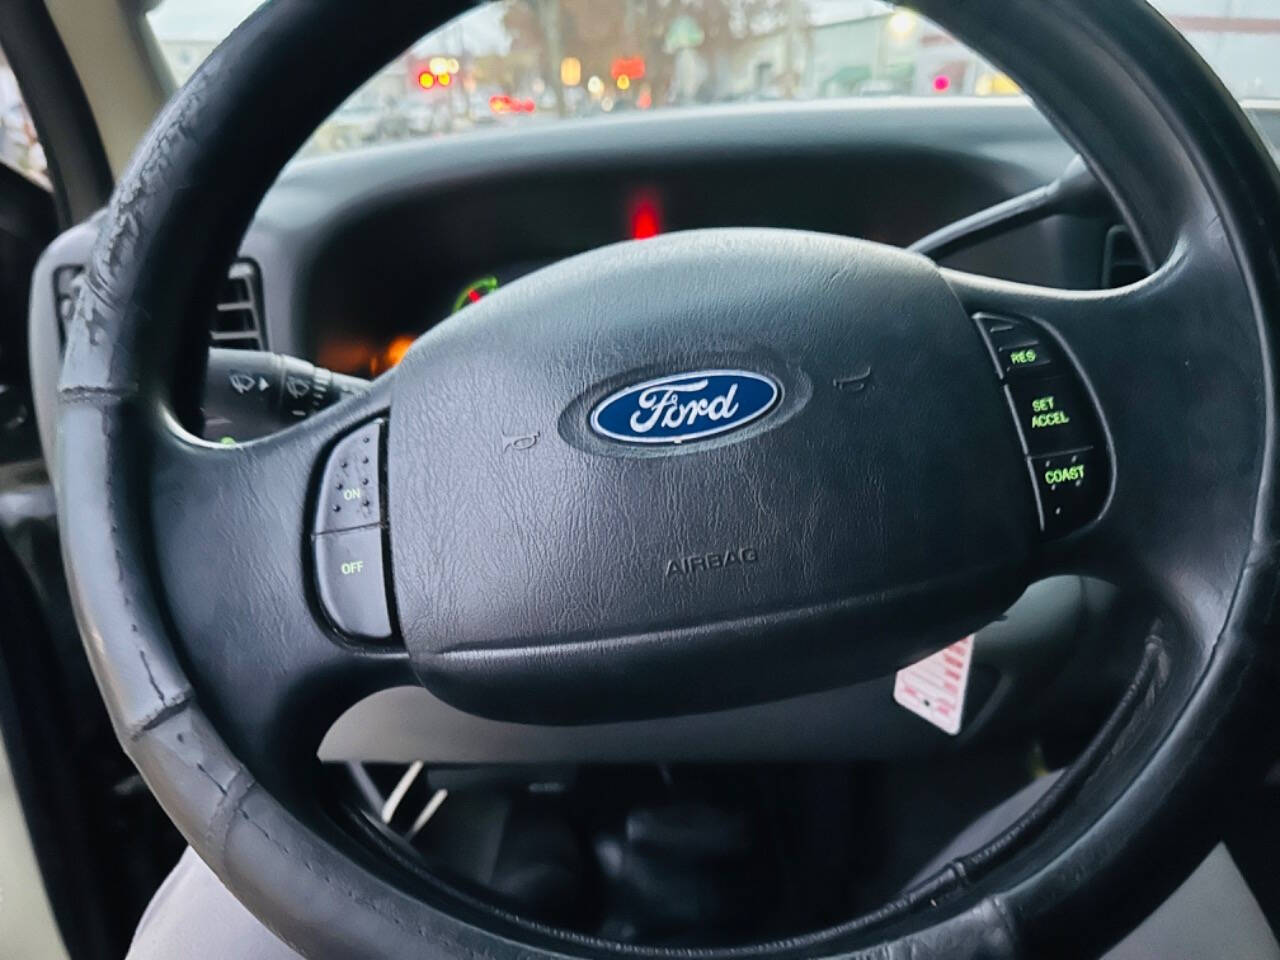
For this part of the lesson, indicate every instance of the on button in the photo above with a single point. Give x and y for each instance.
(349, 490)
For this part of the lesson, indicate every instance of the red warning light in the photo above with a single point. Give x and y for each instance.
(646, 217)
(941, 83)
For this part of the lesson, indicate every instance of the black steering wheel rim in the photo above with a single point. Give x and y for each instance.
(1206, 206)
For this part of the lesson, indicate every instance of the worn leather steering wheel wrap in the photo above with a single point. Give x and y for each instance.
(190, 564)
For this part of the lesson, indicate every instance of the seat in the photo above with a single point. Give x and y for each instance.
(1212, 915)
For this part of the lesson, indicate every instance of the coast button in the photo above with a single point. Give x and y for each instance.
(1071, 487)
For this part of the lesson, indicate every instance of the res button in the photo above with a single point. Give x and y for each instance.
(1018, 347)
(349, 577)
(1025, 359)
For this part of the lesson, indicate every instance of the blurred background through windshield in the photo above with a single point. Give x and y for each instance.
(516, 62)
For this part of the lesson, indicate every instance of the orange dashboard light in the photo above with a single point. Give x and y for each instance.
(426, 79)
(355, 356)
(395, 351)
(445, 79)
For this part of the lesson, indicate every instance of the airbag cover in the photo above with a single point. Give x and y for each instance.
(544, 570)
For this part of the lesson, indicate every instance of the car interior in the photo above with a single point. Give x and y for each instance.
(702, 479)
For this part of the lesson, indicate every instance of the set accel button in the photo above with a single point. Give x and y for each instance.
(1052, 414)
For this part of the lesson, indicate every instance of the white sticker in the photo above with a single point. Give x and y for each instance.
(934, 687)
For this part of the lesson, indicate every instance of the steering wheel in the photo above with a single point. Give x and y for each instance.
(754, 463)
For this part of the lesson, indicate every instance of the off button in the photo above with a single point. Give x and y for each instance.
(351, 584)
(1071, 488)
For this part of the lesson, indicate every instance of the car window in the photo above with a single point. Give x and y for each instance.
(19, 146)
(520, 62)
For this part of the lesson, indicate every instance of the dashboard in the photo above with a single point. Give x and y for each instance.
(455, 220)
(352, 256)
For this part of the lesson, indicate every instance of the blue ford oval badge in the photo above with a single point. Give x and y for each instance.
(685, 406)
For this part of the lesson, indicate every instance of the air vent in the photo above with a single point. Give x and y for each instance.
(237, 319)
(1122, 263)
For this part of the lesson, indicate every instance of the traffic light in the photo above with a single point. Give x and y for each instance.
(632, 67)
(437, 72)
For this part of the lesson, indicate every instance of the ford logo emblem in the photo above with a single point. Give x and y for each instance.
(685, 406)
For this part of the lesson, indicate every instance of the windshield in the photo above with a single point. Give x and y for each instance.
(515, 62)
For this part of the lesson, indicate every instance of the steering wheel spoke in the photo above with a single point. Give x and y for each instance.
(1138, 413)
(249, 580)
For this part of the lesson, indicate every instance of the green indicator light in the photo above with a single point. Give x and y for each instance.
(1072, 474)
(1020, 358)
(475, 292)
(227, 441)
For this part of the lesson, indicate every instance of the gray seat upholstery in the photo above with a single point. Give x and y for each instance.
(195, 917)
(1212, 915)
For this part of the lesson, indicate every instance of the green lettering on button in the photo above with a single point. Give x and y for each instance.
(1071, 474)
(1020, 358)
(1057, 418)
(352, 566)
(1042, 404)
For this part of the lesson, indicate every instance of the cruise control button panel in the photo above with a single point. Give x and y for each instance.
(348, 536)
(1060, 431)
